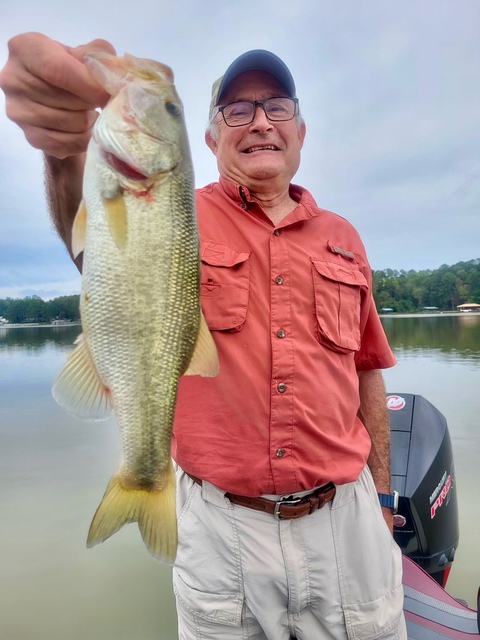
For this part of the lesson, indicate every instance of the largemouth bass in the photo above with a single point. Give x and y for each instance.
(141, 317)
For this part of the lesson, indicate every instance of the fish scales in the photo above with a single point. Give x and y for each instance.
(141, 317)
(169, 346)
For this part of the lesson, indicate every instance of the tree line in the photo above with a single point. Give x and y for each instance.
(444, 288)
(402, 291)
(35, 309)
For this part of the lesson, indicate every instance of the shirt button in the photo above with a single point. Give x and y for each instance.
(281, 333)
(276, 232)
(280, 453)
(279, 280)
(282, 387)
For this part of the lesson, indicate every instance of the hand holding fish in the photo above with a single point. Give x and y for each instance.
(50, 94)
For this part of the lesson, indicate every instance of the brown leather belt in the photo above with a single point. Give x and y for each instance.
(286, 508)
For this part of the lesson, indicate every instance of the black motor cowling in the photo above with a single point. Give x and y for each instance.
(422, 471)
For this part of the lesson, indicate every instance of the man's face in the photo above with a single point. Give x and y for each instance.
(262, 150)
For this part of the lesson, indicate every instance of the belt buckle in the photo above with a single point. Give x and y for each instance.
(284, 500)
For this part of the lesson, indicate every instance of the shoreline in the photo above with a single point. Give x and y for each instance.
(436, 314)
(36, 325)
(420, 314)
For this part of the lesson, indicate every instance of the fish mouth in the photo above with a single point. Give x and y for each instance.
(261, 147)
(124, 168)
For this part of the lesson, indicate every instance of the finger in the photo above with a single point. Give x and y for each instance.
(57, 143)
(94, 46)
(29, 113)
(49, 65)
(23, 88)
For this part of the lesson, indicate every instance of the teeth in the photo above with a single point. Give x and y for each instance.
(270, 147)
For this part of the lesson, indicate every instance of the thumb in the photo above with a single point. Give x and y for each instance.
(92, 47)
(97, 93)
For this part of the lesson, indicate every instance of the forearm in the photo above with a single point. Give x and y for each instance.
(63, 187)
(374, 415)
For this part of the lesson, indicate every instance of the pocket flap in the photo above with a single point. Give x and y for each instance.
(340, 273)
(220, 254)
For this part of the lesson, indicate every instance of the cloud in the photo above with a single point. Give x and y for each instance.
(389, 91)
(45, 290)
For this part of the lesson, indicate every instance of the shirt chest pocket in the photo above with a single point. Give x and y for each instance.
(338, 290)
(225, 285)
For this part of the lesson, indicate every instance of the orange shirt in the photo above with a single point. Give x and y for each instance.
(292, 315)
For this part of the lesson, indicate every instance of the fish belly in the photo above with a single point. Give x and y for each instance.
(140, 315)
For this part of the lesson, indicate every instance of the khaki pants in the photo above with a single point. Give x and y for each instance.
(240, 573)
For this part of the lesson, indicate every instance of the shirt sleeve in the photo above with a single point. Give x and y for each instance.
(375, 352)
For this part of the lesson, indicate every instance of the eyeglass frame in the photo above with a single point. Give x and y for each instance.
(262, 104)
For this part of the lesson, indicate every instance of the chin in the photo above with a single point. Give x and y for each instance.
(264, 170)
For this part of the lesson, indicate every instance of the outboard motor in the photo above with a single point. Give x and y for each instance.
(422, 472)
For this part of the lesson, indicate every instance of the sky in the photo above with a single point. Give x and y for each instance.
(390, 92)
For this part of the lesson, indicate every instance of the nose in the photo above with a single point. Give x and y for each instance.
(260, 122)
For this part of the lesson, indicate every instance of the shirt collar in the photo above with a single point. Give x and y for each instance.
(235, 192)
(308, 208)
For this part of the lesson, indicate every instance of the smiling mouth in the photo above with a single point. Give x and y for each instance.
(268, 147)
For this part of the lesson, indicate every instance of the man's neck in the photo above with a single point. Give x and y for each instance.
(276, 206)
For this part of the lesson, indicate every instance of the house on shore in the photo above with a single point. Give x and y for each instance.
(468, 306)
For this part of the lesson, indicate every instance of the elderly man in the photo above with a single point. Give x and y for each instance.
(281, 532)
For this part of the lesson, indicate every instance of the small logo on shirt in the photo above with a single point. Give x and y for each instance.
(395, 403)
(342, 252)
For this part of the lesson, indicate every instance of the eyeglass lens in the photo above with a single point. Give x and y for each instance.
(243, 112)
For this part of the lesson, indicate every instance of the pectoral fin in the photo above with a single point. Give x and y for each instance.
(78, 387)
(204, 361)
(117, 219)
(79, 230)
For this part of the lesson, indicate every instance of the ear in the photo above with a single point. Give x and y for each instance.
(302, 130)
(211, 142)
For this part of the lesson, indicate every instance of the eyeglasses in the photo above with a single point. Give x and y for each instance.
(237, 114)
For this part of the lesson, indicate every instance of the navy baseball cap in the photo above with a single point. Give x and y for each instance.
(256, 59)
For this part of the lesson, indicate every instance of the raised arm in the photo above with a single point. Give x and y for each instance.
(63, 190)
(51, 96)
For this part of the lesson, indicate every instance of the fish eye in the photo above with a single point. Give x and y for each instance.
(173, 109)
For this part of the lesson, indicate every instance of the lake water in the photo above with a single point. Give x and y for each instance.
(54, 469)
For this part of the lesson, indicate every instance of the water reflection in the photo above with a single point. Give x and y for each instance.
(439, 358)
(34, 338)
(54, 469)
(450, 337)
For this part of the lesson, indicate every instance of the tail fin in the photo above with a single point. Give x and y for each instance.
(153, 510)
